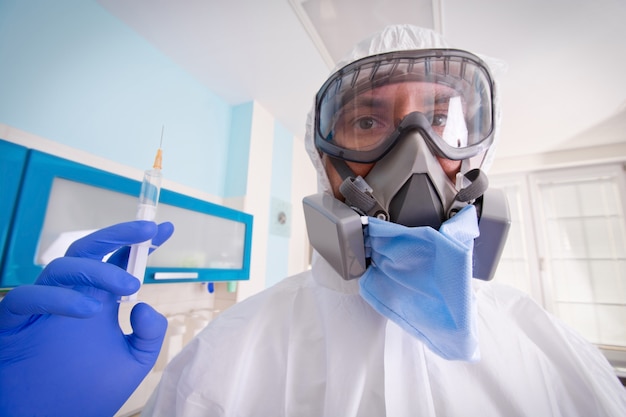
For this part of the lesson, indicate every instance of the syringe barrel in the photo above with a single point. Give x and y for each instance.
(149, 195)
(150, 187)
(146, 210)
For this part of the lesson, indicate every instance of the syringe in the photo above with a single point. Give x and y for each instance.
(146, 210)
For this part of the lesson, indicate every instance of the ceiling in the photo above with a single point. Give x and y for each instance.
(564, 85)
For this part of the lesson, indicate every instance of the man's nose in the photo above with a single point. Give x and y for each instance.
(404, 105)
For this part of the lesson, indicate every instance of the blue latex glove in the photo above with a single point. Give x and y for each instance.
(62, 352)
(420, 279)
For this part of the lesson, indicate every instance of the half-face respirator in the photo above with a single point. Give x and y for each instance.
(404, 111)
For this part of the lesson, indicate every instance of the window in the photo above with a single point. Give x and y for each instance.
(584, 249)
(567, 247)
(518, 264)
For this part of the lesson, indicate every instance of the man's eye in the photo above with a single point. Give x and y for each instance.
(439, 120)
(365, 123)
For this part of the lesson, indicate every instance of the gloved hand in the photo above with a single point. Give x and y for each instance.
(420, 279)
(62, 352)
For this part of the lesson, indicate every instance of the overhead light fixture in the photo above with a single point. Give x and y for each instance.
(335, 26)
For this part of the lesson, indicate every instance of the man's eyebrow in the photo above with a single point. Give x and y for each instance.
(444, 97)
(368, 101)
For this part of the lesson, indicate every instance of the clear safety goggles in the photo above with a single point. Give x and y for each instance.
(360, 108)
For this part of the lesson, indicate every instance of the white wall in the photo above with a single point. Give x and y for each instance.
(303, 183)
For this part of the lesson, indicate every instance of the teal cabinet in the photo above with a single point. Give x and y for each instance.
(57, 200)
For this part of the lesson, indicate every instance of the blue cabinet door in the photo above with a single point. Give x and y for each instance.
(58, 199)
(12, 162)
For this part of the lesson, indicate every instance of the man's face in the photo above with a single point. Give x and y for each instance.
(373, 115)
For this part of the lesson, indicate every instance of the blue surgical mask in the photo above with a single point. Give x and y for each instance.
(420, 279)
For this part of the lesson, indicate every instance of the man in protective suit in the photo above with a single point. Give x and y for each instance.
(389, 320)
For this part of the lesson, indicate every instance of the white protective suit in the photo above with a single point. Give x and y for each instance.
(311, 346)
